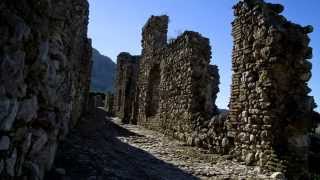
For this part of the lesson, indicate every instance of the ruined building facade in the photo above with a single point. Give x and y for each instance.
(175, 88)
(44, 72)
(271, 114)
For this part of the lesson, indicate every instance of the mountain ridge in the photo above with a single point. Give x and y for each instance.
(103, 72)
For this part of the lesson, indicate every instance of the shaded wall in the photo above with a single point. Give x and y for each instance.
(270, 110)
(126, 79)
(185, 98)
(45, 69)
(176, 85)
(154, 39)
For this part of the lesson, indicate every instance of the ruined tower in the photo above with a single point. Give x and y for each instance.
(270, 108)
(154, 39)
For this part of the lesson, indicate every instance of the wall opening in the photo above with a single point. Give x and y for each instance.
(128, 100)
(153, 92)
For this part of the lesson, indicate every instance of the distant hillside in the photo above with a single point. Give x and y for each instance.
(103, 72)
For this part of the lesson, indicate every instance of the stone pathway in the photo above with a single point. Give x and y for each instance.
(102, 148)
(196, 161)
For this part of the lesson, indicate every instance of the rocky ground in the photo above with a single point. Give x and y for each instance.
(102, 148)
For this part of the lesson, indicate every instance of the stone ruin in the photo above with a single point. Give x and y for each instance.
(270, 110)
(126, 78)
(271, 116)
(45, 75)
(164, 88)
(174, 80)
(177, 87)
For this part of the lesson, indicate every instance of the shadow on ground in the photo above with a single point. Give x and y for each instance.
(92, 151)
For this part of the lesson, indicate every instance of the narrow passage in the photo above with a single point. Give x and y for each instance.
(101, 148)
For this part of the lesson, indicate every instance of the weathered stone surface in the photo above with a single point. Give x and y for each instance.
(271, 115)
(176, 87)
(270, 110)
(249, 158)
(11, 162)
(28, 109)
(4, 143)
(154, 39)
(44, 74)
(10, 108)
(278, 176)
(39, 139)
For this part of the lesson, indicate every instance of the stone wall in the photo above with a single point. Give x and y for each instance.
(154, 39)
(185, 89)
(126, 79)
(270, 110)
(44, 75)
(271, 122)
(177, 87)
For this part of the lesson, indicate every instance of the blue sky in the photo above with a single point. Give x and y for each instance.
(115, 26)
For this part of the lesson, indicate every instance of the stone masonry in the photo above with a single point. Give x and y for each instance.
(271, 116)
(154, 39)
(270, 110)
(126, 78)
(174, 89)
(44, 74)
(185, 89)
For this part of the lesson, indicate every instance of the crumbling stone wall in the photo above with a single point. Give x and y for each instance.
(176, 88)
(271, 114)
(44, 75)
(186, 92)
(270, 110)
(176, 85)
(154, 39)
(126, 79)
